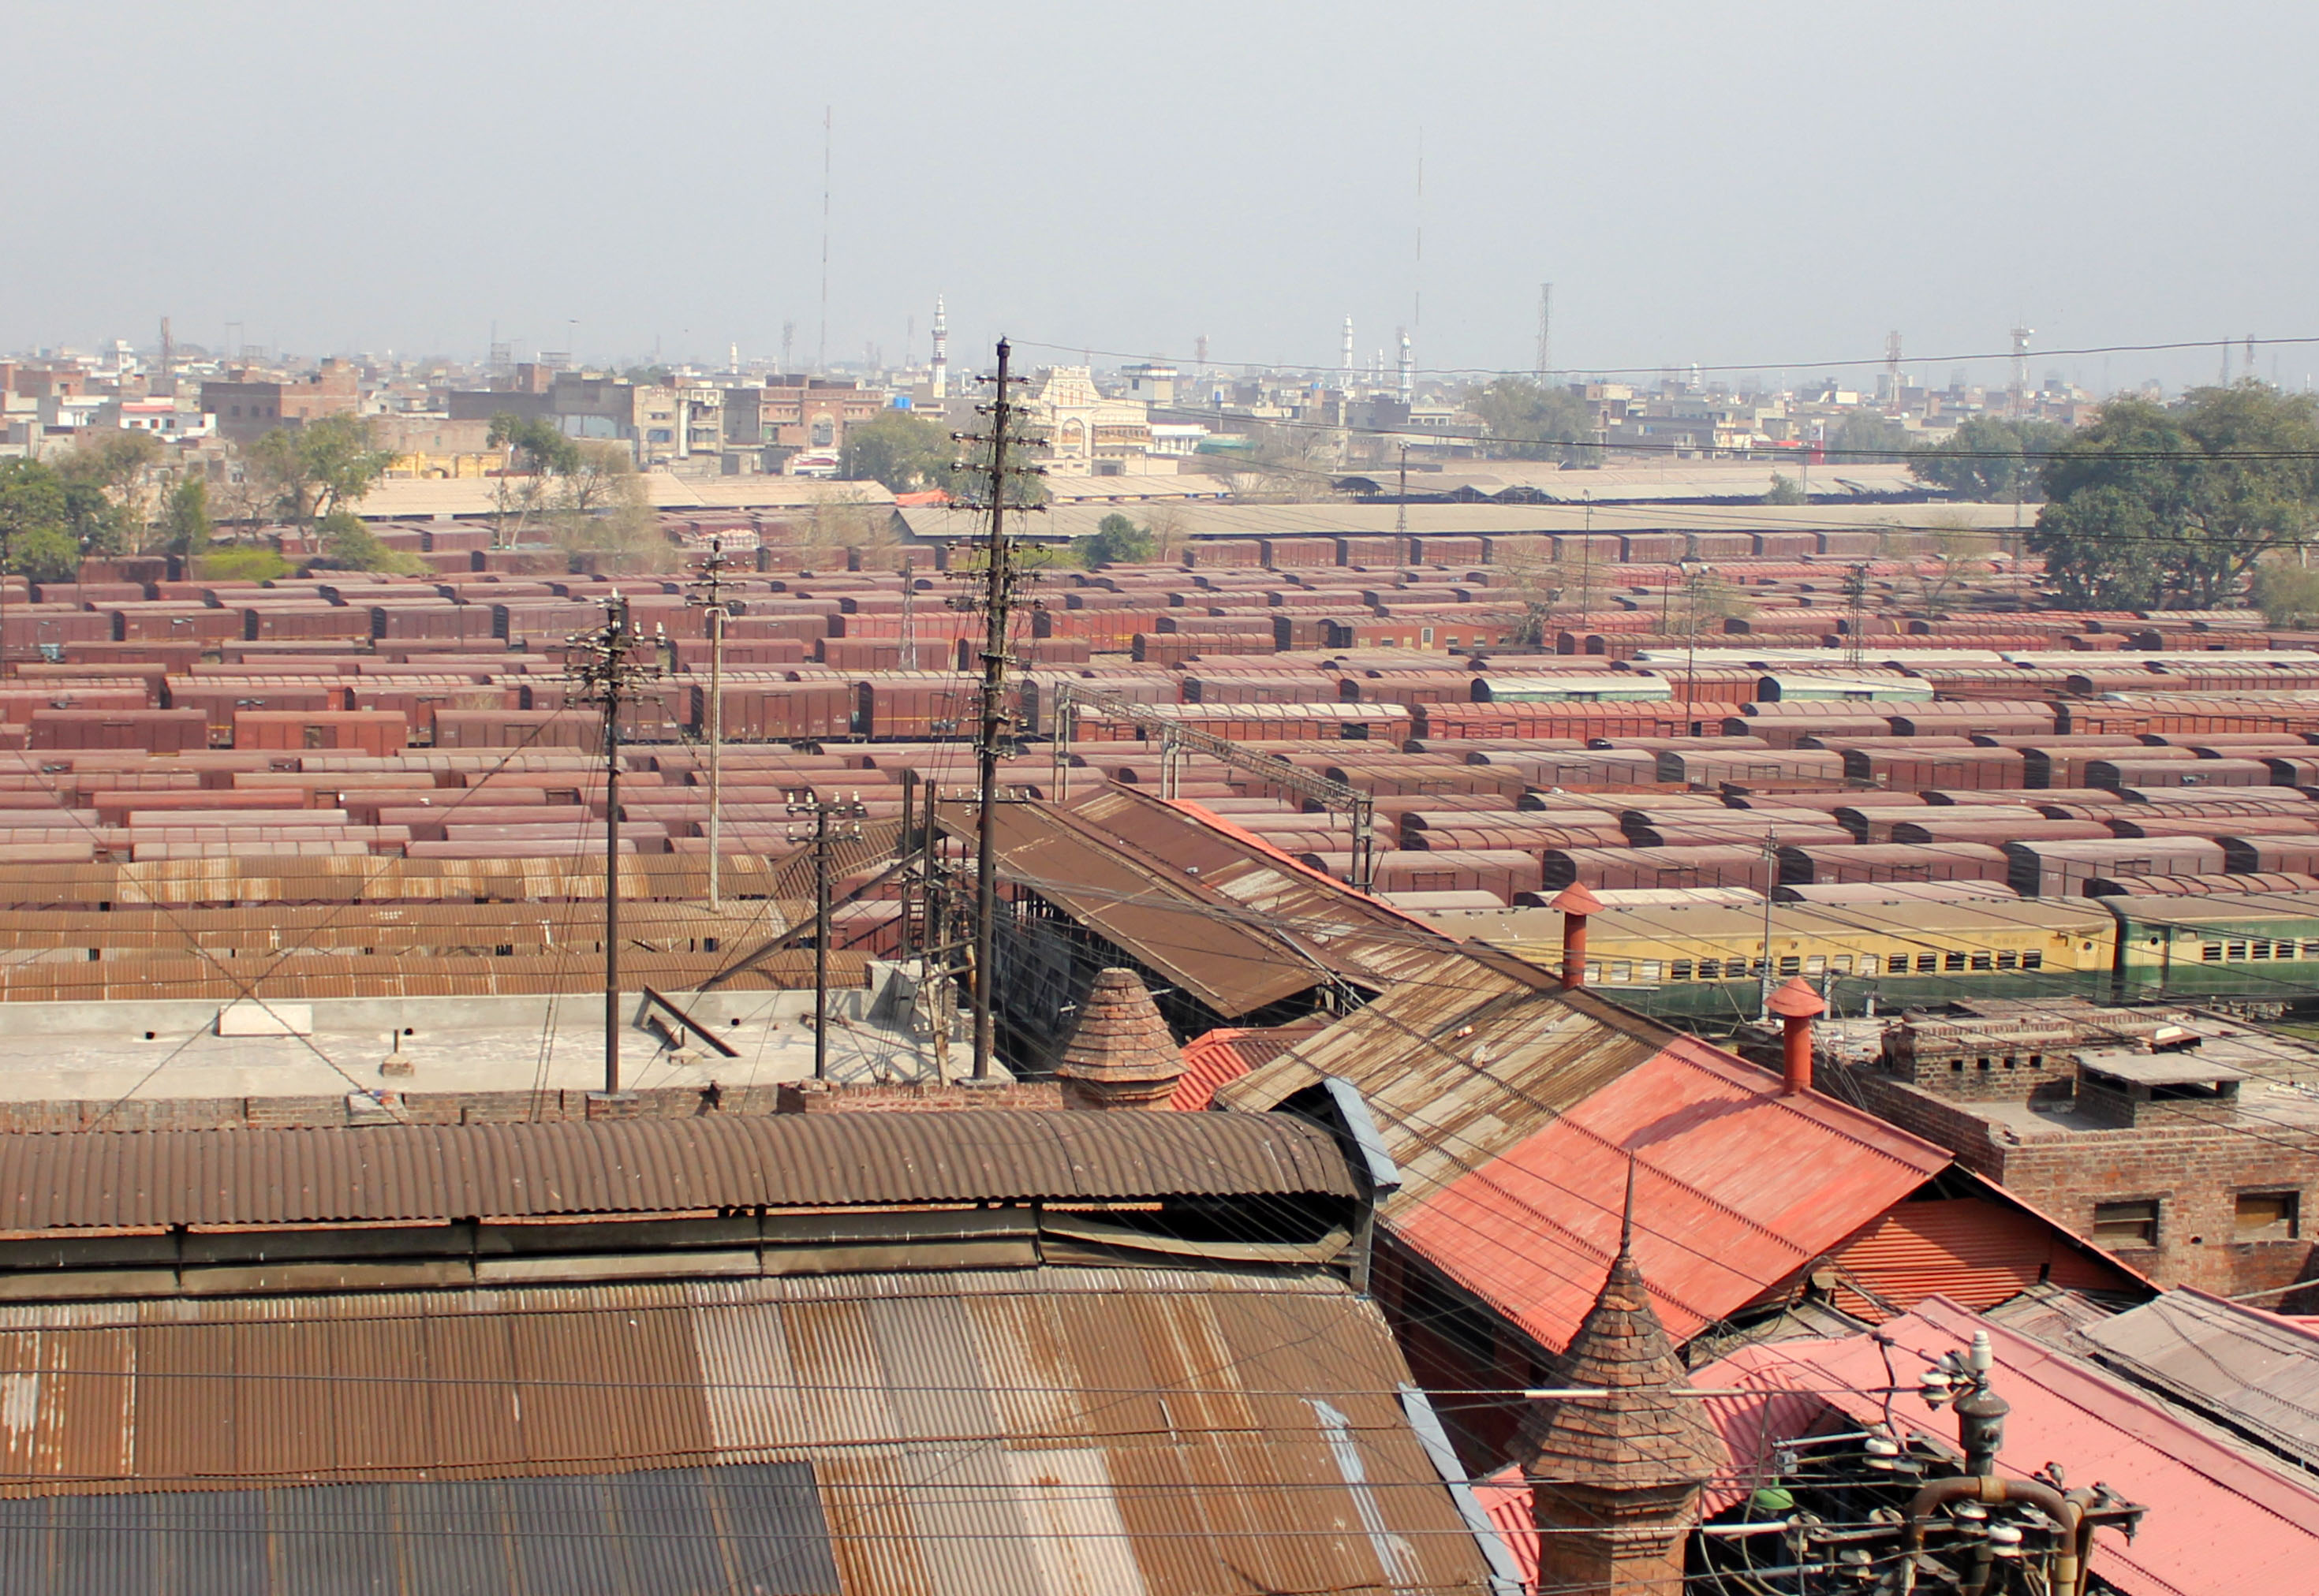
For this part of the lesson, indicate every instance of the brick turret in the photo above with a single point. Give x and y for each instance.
(1615, 1479)
(1121, 1054)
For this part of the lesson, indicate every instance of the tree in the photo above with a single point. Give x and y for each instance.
(2287, 595)
(1785, 490)
(109, 472)
(1526, 421)
(1993, 458)
(908, 453)
(540, 449)
(350, 545)
(1861, 437)
(185, 527)
(2175, 506)
(1117, 540)
(48, 523)
(326, 465)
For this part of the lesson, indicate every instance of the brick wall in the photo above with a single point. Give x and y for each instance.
(2194, 1166)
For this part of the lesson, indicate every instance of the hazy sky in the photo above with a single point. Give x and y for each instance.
(1773, 185)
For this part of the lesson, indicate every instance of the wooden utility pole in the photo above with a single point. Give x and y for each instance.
(709, 590)
(603, 664)
(997, 599)
(809, 804)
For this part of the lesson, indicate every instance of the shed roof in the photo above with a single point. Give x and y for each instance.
(2257, 1372)
(378, 1173)
(1512, 1109)
(1049, 1431)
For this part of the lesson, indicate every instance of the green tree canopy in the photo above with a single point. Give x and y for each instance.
(908, 453)
(1529, 421)
(350, 545)
(2174, 505)
(327, 465)
(1862, 437)
(1117, 540)
(1785, 490)
(185, 527)
(541, 449)
(1993, 458)
(49, 522)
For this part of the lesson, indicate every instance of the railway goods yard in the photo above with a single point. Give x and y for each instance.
(1907, 785)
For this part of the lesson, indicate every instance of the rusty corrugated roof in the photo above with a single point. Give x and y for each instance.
(308, 1176)
(1048, 1432)
(1512, 1109)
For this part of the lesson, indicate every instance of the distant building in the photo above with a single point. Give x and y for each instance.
(246, 409)
(796, 413)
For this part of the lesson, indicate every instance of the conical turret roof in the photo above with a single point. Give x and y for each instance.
(1121, 1052)
(1640, 1435)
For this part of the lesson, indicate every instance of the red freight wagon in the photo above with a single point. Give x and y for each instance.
(515, 729)
(928, 705)
(262, 623)
(177, 623)
(781, 712)
(1892, 861)
(367, 730)
(1284, 553)
(1501, 872)
(157, 731)
(1230, 552)
(1453, 550)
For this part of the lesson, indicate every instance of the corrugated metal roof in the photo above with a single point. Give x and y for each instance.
(2219, 1519)
(1055, 1432)
(1216, 910)
(1227, 1053)
(1512, 1110)
(1969, 1249)
(2258, 1372)
(308, 1176)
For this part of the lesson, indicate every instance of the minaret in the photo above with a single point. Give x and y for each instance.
(1350, 374)
(1615, 1479)
(1408, 386)
(941, 351)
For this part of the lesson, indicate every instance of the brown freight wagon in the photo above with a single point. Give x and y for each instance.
(365, 731)
(2146, 772)
(1500, 872)
(1893, 861)
(1948, 768)
(516, 728)
(156, 731)
(900, 707)
(781, 712)
(1740, 865)
(2063, 869)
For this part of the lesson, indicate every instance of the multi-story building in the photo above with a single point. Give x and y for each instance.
(791, 415)
(246, 408)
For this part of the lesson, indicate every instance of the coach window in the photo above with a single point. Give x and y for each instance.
(1953, 960)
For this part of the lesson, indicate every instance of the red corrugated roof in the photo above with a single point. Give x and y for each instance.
(2218, 1520)
(1229, 1053)
(1738, 1186)
(1966, 1249)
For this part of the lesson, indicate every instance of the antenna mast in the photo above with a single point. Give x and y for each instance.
(1545, 332)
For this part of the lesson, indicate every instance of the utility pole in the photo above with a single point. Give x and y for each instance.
(603, 664)
(1401, 512)
(1855, 600)
(997, 600)
(909, 616)
(805, 803)
(1770, 882)
(709, 590)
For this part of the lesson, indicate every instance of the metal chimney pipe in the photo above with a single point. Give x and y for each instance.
(1576, 905)
(1797, 1003)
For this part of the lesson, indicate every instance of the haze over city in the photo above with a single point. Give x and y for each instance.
(1283, 799)
(1701, 183)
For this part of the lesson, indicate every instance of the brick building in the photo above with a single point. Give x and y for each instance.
(2187, 1144)
(248, 409)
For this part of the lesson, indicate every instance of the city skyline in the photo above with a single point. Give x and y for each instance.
(1250, 179)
